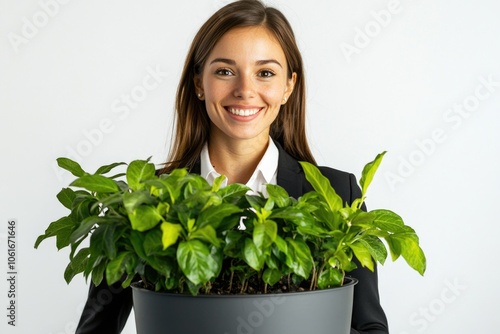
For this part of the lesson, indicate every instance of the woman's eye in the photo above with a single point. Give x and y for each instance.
(224, 72)
(266, 74)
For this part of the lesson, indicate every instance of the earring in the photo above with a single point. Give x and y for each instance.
(200, 95)
(284, 99)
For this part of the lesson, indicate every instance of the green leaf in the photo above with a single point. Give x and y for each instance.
(107, 168)
(134, 199)
(138, 171)
(298, 216)
(96, 183)
(61, 229)
(369, 172)
(233, 244)
(278, 195)
(164, 265)
(264, 234)
(389, 221)
(71, 166)
(363, 255)
(66, 197)
(256, 202)
(153, 242)
(98, 273)
(273, 261)
(77, 264)
(266, 210)
(82, 207)
(233, 191)
(85, 226)
(196, 261)
(170, 234)
(126, 283)
(95, 258)
(271, 276)
(252, 255)
(137, 240)
(411, 251)
(173, 184)
(212, 200)
(342, 260)
(107, 201)
(118, 266)
(108, 240)
(322, 185)
(190, 224)
(63, 238)
(217, 183)
(144, 218)
(281, 244)
(206, 233)
(305, 222)
(394, 247)
(299, 257)
(74, 247)
(375, 247)
(195, 183)
(330, 277)
(365, 219)
(215, 214)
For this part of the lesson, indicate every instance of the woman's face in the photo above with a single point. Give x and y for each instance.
(244, 82)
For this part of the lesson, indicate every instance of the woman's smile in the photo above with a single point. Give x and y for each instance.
(242, 111)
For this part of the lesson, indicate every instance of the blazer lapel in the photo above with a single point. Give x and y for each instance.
(290, 175)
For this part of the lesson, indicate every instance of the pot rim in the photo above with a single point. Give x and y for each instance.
(348, 282)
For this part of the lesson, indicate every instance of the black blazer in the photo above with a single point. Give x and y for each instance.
(108, 307)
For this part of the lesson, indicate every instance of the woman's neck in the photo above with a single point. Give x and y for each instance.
(236, 159)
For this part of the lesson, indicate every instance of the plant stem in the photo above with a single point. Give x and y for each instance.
(319, 273)
(231, 281)
(242, 286)
(313, 278)
(208, 287)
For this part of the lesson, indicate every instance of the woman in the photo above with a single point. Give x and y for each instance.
(241, 112)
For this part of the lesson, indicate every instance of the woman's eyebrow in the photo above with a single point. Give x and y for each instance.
(232, 62)
(268, 61)
(223, 60)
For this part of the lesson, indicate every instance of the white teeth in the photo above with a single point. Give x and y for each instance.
(243, 112)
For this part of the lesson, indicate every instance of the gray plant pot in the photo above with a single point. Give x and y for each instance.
(320, 312)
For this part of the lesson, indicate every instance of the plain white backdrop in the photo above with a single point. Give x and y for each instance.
(95, 81)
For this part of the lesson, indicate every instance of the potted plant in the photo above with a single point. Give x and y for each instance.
(183, 238)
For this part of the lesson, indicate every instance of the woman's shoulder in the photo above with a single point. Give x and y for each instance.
(343, 182)
(291, 174)
(333, 173)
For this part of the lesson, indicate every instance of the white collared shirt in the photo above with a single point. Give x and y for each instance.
(265, 172)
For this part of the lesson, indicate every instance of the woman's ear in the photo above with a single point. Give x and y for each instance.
(198, 84)
(290, 84)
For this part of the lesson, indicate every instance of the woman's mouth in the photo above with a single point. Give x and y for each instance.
(242, 111)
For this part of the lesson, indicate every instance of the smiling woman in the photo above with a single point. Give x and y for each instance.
(234, 23)
(240, 112)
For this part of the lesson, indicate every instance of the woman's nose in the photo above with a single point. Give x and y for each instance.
(244, 86)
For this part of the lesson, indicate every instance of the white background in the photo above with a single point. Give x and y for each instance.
(65, 69)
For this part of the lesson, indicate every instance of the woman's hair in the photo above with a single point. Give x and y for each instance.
(192, 123)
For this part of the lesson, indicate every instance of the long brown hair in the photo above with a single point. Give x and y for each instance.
(192, 122)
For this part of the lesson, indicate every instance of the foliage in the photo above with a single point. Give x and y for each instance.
(179, 233)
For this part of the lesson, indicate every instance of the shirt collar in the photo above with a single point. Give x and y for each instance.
(265, 170)
(206, 167)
